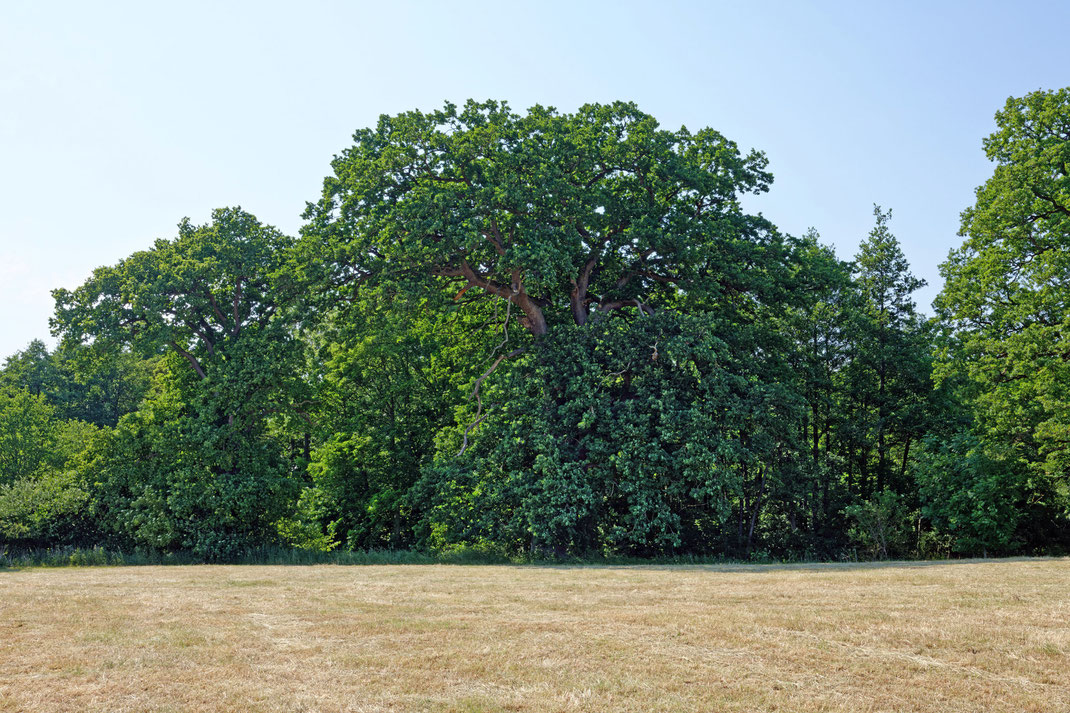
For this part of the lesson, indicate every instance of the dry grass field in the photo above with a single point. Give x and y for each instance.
(972, 636)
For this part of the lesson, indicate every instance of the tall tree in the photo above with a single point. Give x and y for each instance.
(1007, 297)
(198, 467)
(562, 215)
(216, 296)
(642, 288)
(890, 370)
(822, 329)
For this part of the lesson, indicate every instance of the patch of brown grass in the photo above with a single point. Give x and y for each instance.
(980, 636)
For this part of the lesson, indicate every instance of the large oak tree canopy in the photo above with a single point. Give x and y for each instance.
(564, 215)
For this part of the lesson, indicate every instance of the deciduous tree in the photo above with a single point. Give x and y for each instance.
(1007, 295)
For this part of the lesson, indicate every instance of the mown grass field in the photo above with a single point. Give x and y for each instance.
(965, 636)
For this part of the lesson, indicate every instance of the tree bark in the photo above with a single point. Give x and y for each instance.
(534, 320)
(578, 296)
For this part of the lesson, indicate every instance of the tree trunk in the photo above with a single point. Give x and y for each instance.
(754, 512)
(534, 319)
(903, 465)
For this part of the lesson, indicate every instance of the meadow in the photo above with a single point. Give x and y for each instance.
(950, 636)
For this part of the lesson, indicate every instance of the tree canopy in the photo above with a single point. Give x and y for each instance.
(1007, 296)
(555, 334)
(563, 215)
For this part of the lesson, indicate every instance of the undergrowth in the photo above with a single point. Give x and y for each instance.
(99, 556)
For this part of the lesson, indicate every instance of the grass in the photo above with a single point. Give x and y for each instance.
(963, 636)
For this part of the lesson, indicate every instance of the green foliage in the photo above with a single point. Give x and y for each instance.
(564, 222)
(43, 501)
(80, 382)
(303, 530)
(619, 436)
(1007, 297)
(172, 477)
(197, 295)
(971, 495)
(27, 435)
(100, 388)
(198, 467)
(884, 526)
(218, 297)
(45, 508)
(561, 214)
(889, 372)
(386, 385)
(507, 337)
(33, 370)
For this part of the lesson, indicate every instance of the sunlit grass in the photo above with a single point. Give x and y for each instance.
(967, 636)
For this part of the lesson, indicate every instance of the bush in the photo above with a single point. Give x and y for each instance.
(305, 531)
(48, 507)
(971, 496)
(884, 527)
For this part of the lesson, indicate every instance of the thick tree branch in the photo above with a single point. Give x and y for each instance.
(578, 297)
(534, 319)
(189, 357)
(215, 308)
(618, 304)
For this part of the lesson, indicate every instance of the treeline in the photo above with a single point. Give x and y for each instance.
(550, 335)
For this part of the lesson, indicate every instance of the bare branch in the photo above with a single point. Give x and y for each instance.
(215, 308)
(505, 326)
(479, 399)
(473, 424)
(488, 372)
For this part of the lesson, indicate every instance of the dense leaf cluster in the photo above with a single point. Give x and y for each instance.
(559, 334)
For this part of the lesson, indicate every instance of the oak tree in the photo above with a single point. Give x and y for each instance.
(1007, 298)
(562, 215)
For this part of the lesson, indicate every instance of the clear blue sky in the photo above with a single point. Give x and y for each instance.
(116, 120)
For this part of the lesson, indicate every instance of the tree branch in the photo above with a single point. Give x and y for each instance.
(479, 399)
(235, 301)
(192, 359)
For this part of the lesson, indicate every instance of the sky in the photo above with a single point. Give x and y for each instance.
(119, 119)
